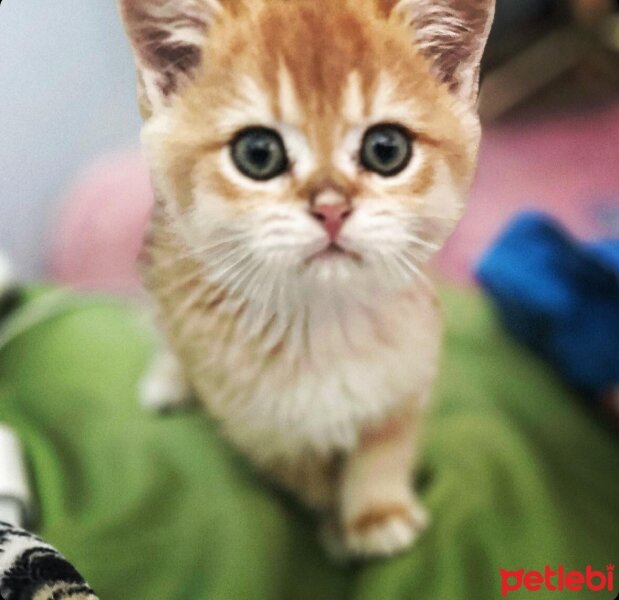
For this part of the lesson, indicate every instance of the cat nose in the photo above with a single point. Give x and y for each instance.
(332, 217)
(332, 209)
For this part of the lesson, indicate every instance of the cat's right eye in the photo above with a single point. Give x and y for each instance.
(387, 149)
(259, 153)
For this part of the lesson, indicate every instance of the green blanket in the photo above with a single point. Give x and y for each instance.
(516, 472)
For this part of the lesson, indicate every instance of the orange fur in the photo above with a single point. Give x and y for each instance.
(377, 515)
(316, 362)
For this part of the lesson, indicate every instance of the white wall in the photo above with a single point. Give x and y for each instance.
(66, 95)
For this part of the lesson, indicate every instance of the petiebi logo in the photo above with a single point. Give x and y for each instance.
(558, 581)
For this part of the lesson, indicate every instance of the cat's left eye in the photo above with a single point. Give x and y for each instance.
(259, 153)
(386, 149)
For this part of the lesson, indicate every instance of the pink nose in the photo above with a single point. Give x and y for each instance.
(332, 217)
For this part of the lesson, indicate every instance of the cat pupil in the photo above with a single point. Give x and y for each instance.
(386, 151)
(260, 156)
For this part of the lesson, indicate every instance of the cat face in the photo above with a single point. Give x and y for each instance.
(318, 141)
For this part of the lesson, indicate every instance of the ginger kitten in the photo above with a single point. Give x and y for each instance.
(308, 157)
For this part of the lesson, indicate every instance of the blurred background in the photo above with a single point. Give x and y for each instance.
(69, 133)
(67, 97)
(160, 504)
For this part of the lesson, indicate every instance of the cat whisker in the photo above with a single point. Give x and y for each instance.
(221, 238)
(230, 263)
(176, 285)
(197, 294)
(434, 217)
(418, 272)
(200, 252)
(417, 241)
(239, 280)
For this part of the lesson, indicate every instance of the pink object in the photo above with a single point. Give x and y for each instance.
(565, 165)
(102, 224)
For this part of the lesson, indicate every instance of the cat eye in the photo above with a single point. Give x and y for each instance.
(259, 153)
(386, 149)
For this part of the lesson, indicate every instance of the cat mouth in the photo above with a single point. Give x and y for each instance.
(334, 252)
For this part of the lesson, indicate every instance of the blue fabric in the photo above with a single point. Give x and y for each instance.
(558, 296)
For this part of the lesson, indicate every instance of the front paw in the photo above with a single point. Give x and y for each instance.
(383, 530)
(163, 388)
(162, 395)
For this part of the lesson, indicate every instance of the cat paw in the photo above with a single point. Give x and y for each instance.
(385, 530)
(163, 388)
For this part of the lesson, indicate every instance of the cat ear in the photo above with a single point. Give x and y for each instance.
(168, 39)
(453, 35)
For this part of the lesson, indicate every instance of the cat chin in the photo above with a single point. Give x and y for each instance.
(334, 254)
(342, 279)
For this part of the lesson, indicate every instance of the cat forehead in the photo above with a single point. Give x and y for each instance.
(295, 60)
(283, 103)
(319, 48)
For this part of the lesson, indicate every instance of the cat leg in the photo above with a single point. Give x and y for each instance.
(379, 512)
(164, 386)
(312, 479)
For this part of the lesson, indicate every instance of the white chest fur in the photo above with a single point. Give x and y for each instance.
(337, 369)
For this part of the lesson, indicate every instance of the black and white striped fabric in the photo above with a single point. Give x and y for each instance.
(30, 569)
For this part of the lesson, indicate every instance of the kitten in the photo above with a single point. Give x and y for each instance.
(308, 157)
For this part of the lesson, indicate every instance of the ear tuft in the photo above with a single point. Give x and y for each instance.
(168, 39)
(453, 35)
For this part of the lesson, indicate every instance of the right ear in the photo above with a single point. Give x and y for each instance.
(168, 38)
(452, 34)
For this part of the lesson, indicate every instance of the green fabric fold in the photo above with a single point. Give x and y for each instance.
(516, 472)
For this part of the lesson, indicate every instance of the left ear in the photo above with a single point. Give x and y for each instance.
(167, 38)
(453, 35)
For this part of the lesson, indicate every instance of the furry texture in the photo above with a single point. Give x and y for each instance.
(316, 362)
